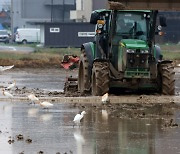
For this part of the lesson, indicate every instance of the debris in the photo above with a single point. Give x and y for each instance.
(10, 141)
(19, 137)
(171, 124)
(28, 140)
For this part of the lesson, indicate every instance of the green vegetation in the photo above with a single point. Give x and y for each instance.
(60, 51)
(171, 51)
(42, 57)
(40, 53)
(52, 57)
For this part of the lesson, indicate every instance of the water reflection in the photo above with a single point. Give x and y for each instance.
(46, 117)
(79, 141)
(104, 115)
(101, 132)
(32, 112)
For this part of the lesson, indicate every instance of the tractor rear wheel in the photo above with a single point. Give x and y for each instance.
(100, 78)
(83, 74)
(167, 79)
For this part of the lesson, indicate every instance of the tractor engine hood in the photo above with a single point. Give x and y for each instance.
(134, 44)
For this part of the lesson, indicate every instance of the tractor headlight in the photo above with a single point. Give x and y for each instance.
(130, 51)
(144, 51)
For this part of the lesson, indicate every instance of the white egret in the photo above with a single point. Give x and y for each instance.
(105, 98)
(46, 104)
(3, 68)
(7, 94)
(33, 98)
(11, 85)
(78, 117)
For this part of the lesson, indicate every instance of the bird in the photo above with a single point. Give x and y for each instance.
(78, 117)
(46, 104)
(3, 68)
(7, 94)
(33, 98)
(11, 85)
(105, 98)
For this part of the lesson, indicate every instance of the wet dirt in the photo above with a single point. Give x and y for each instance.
(139, 127)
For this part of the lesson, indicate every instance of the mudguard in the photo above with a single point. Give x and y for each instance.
(158, 53)
(90, 52)
(159, 56)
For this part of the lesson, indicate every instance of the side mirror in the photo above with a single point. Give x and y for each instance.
(94, 17)
(162, 21)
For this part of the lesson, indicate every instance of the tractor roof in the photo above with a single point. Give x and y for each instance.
(163, 5)
(105, 10)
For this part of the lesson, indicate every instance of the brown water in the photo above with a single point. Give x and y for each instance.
(101, 132)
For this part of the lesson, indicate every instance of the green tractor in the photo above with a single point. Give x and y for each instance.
(124, 53)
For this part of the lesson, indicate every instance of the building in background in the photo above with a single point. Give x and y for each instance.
(5, 5)
(26, 12)
(84, 9)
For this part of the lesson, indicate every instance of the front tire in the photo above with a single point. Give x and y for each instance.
(167, 79)
(83, 74)
(100, 78)
(24, 42)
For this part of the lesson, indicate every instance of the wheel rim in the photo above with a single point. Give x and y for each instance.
(81, 78)
(94, 88)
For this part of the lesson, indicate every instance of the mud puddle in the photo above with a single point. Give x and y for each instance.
(105, 129)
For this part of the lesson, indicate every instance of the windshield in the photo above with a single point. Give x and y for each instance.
(132, 25)
(3, 33)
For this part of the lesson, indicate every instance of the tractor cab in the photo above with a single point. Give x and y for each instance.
(132, 25)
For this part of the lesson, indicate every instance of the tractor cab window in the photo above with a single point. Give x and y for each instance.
(131, 25)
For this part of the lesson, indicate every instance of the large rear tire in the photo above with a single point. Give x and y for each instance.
(83, 74)
(100, 78)
(167, 79)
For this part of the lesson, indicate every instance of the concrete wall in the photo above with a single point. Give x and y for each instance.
(84, 9)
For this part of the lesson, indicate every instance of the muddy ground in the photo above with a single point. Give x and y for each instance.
(48, 84)
(130, 123)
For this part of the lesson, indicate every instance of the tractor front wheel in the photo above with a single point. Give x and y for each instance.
(83, 74)
(100, 78)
